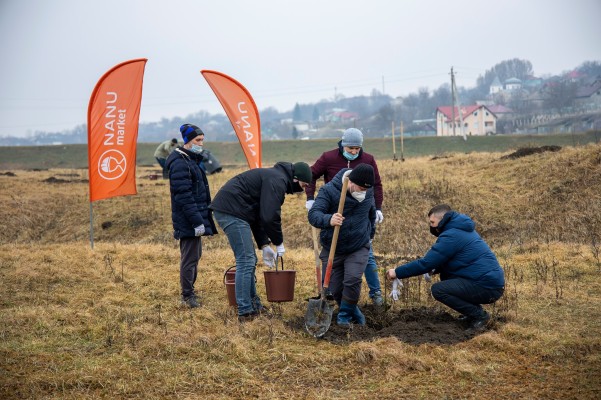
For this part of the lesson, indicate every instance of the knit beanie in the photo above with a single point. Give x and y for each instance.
(189, 132)
(302, 172)
(352, 137)
(362, 175)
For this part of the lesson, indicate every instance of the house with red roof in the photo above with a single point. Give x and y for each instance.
(478, 120)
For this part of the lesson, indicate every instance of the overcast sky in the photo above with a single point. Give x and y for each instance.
(54, 52)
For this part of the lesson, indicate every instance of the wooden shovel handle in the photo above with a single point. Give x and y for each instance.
(317, 260)
(326, 281)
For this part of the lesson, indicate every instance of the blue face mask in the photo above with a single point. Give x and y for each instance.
(350, 156)
(196, 149)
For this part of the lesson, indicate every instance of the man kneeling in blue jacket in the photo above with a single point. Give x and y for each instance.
(470, 274)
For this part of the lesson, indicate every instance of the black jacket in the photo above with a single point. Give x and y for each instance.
(190, 194)
(256, 196)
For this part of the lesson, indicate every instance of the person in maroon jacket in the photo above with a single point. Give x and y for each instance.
(348, 155)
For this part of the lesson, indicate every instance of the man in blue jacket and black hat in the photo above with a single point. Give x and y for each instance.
(470, 274)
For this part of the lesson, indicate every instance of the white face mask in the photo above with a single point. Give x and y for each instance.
(359, 196)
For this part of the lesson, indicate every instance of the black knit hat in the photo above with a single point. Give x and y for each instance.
(189, 132)
(302, 172)
(362, 175)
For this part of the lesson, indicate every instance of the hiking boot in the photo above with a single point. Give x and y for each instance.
(349, 313)
(247, 317)
(190, 302)
(479, 323)
(377, 298)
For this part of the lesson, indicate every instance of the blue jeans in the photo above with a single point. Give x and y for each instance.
(465, 296)
(371, 274)
(240, 236)
(162, 162)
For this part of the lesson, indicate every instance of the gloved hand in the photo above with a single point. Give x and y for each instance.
(427, 277)
(268, 257)
(396, 289)
(379, 217)
(309, 204)
(280, 249)
(199, 230)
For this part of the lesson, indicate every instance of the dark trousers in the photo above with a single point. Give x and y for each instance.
(464, 296)
(347, 272)
(162, 162)
(190, 251)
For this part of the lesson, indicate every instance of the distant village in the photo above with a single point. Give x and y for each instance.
(531, 105)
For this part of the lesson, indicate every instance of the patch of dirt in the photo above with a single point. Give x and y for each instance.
(412, 326)
(54, 179)
(527, 151)
(9, 173)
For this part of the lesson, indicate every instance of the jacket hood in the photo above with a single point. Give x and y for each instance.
(454, 220)
(286, 168)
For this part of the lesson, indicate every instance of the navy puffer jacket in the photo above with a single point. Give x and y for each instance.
(459, 252)
(359, 217)
(190, 194)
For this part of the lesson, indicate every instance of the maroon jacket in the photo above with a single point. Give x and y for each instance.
(333, 161)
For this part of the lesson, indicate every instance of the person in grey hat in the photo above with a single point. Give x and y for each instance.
(249, 206)
(349, 154)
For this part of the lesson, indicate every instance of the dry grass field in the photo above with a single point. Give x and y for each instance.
(106, 323)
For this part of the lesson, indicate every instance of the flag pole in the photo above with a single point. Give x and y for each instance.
(91, 228)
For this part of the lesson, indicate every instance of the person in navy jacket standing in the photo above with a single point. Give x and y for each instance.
(190, 199)
(470, 274)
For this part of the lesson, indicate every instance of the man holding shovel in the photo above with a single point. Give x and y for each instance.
(349, 154)
(249, 205)
(356, 229)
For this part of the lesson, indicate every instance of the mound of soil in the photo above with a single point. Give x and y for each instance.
(412, 326)
(54, 179)
(527, 151)
(9, 173)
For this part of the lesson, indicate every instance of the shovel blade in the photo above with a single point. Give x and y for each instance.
(318, 317)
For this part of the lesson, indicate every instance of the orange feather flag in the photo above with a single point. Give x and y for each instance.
(241, 111)
(113, 117)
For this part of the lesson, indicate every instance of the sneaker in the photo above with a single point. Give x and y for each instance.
(480, 323)
(247, 317)
(377, 298)
(190, 302)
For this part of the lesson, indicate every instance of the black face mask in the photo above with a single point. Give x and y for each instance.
(296, 187)
(434, 231)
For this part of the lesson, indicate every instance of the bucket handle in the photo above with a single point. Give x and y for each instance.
(281, 262)
(226, 271)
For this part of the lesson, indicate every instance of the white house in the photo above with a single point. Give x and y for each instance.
(478, 120)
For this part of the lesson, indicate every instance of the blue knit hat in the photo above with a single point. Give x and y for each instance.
(189, 132)
(352, 137)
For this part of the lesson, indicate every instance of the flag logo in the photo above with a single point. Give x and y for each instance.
(112, 165)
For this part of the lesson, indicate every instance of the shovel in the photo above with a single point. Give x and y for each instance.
(319, 312)
(315, 232)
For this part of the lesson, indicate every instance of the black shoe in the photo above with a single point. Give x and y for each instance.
(247, 317)
(463, 318)
(190, 302)
(480, 323)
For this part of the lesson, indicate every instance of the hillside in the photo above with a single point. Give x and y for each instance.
(82, 323)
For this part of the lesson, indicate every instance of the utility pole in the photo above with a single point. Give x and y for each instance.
(393, 144)
(456, 102)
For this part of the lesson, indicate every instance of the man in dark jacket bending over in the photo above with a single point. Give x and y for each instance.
(470, 274)
(249, 205)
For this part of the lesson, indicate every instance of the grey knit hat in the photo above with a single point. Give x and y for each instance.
(352, 137)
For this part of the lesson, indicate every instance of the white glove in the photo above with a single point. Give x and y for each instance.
(280, 249)
(379, 217)
(199, 230)
(396, 289)
(427, 277)
(268, 257)
(309, 204)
